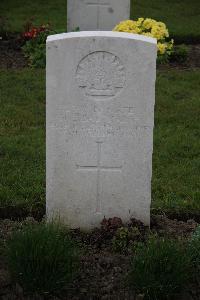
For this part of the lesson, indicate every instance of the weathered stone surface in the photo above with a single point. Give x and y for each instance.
(96, 14)
(100, 118)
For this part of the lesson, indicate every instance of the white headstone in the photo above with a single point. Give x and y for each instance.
(100, 118)
(96, 14)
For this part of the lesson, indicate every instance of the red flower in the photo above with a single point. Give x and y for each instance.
(34, 31)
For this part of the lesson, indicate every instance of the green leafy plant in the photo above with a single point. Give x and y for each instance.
(179, 54)
(160, 268)
(122, 238)
(164, 58)
(42, 258)
(194, 250)
(35, 45)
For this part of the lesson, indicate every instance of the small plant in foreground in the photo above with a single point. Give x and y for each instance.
(160, 268)
(35, 45)
(123, 237)
(42, 258)
(179, 54)
(194, 250)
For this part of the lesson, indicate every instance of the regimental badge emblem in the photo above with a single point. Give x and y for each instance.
(101, 75)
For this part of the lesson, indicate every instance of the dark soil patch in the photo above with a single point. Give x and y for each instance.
(11, 55)
(172, 228)
(194, 56)
(102, 271)
(20, 212)
(192, 61)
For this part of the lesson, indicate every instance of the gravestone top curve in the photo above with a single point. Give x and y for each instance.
(83, 34)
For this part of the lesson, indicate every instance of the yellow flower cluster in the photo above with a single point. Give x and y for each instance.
(165, 47)
(148, 27)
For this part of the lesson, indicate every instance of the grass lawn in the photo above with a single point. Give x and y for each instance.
(22, 137)
(181, 16)
(176, 161)
(19, 12)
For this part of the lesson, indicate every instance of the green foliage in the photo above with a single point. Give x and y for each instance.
(160, 269)
(122, 238)
(194, 250)
(35, 49)
(164, 58)
(42, 258)
(179, 54)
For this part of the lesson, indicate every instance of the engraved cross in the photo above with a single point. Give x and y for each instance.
(99, 4)
(98, 167)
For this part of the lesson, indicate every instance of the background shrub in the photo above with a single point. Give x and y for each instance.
(179, 54)
(159, 269)
(42, 258)
(35, 45)
(125, 237)
(194, 251)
